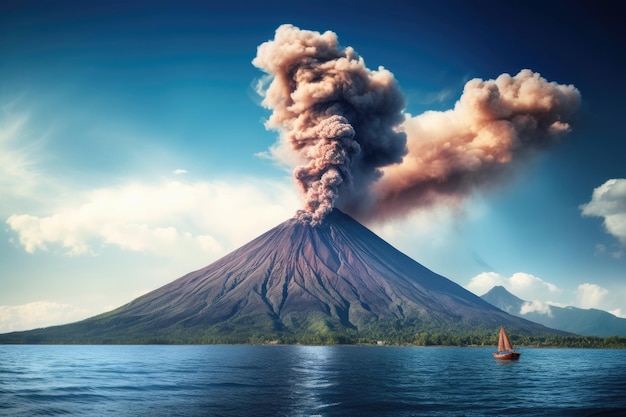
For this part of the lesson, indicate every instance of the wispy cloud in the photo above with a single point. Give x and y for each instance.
(172, 217)
(21, 150)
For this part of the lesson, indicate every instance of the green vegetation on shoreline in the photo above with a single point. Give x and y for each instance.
(309, 330)
(325, 337)
(438, 339)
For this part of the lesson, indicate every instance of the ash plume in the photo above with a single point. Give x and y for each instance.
(341, 119)
(344, 126)
(494, 127)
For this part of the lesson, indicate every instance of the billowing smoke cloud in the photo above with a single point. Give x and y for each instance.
(359, 151)
(495, 125)
(341, 118)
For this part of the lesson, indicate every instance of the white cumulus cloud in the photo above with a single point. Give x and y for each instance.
(166, 217)
(521, 284)
(591, 295)
(39, 314)
(536, 307)
(485, 281)
(609, 202)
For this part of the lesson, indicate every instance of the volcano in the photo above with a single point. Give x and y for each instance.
(295, 282)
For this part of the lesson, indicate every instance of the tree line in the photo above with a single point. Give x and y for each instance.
(441, 339)
(314, 334)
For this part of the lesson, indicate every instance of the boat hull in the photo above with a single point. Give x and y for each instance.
(505, 349)
(507, 356)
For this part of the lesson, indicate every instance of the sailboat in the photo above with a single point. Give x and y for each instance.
(505, 350)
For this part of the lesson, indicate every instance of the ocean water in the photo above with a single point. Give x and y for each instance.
(308, 381)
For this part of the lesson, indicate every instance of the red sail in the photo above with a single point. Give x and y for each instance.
(503, 342)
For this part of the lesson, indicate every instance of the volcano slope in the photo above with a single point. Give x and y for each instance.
(332, 282)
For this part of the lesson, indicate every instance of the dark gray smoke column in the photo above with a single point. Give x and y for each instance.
(341, 118)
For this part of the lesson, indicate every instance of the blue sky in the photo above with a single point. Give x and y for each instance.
(133, 148)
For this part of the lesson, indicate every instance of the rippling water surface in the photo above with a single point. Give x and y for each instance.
(308, 381)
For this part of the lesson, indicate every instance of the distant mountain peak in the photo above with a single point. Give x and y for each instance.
(503, 299)
(501, 290)
(587, 322)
